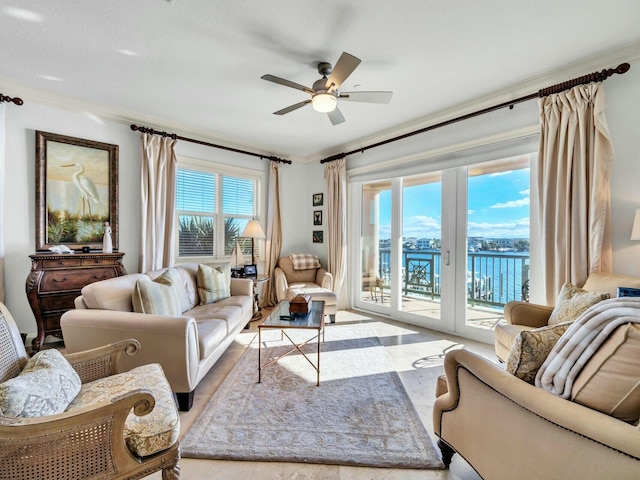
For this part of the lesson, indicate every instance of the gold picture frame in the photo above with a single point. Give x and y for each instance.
(76, 192)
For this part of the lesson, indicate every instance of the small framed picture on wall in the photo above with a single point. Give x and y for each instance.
(317, 236)
(317, 217)
(317, 199)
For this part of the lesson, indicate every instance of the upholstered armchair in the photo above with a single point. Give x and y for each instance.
(521, 316)
(118, 426)
(305, 277)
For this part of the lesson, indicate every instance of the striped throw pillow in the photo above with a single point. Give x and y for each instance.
(155, 298)
(214, 283)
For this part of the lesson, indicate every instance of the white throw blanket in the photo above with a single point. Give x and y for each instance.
(581, 340)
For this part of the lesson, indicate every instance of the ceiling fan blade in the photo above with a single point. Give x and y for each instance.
(345, 66)
(286, 83)
(368, 97)
(292, 108)
(336, 116)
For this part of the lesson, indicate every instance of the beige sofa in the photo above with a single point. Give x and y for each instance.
(186, 346)
(506, 428)
(528, 316)
(316, 282)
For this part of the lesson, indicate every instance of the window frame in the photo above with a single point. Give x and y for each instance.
(219, 171)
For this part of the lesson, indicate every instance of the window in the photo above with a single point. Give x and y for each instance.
(213, 205)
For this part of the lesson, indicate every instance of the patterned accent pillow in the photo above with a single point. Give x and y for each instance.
(155, 298)
(531, 348)
(46, 386)
(214, 283)
(304, 261)
(572, 302)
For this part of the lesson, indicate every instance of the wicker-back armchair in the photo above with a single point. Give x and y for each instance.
(89, 442)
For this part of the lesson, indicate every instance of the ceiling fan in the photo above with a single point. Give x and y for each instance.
(325, 94)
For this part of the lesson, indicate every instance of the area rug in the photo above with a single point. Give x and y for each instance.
(359, 415)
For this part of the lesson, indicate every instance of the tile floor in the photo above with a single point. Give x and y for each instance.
(417, 353)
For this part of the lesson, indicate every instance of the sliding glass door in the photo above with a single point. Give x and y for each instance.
(445, 249)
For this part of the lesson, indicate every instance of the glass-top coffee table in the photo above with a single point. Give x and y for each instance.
(279, 318)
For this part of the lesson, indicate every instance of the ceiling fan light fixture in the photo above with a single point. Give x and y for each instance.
(324, 102)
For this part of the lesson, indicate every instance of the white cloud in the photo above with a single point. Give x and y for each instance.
(523, 202)
(525, 192)
(497, 174)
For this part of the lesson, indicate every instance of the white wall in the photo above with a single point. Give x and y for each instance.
(298, 183)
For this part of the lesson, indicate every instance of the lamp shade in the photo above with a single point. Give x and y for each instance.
(253, 230)
(635, 230)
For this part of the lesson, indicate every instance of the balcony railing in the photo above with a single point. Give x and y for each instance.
(493, 278)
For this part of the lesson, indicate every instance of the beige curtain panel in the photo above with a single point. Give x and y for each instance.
(274, 236)
(335, 174)
(575, 162)
(158, 187)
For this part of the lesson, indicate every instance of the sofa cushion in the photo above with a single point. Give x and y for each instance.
(147, 434)
(112, 294)
(572, 302)
(531, 348)
(46, 386)
(610, 380)
(226, 310)
(214, 283)
(152, 297)
(211, 333)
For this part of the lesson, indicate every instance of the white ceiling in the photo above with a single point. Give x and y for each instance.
(194, 66)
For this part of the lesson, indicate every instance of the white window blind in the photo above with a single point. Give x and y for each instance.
(213, 208)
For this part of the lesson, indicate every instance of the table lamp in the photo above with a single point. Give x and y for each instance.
(253, 230)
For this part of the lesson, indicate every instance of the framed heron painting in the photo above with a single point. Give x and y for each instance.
(76, 192)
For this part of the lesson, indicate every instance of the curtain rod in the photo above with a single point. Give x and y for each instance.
(200, 142)
(16, 100)
(559, 87)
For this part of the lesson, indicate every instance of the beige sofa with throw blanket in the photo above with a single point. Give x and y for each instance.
(523, 316)
(507, 427)
(185, 325)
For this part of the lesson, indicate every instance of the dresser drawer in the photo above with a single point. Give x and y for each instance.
(62, 280)
(92, 262)
(60, 262)
(54, 302)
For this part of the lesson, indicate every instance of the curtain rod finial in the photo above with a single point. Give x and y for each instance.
(623, 68)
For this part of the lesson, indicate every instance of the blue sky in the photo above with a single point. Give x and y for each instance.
(498, 207)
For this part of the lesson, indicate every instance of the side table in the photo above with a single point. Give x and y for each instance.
(257, 315)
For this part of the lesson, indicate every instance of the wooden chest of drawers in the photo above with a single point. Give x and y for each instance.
(55, 281)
